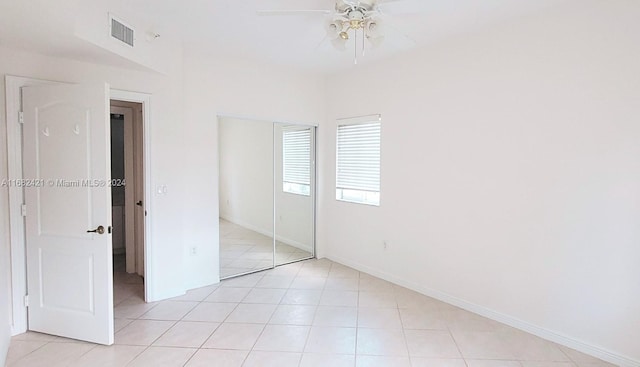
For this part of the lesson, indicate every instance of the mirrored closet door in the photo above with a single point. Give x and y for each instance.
(267, 194)
(294, 192)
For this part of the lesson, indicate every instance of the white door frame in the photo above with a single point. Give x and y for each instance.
(13, 85)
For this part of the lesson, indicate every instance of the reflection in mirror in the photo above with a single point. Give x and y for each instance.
(246, 196)
(294, 192)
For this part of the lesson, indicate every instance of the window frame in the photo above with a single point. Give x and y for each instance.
(290, 186)
(359, 196)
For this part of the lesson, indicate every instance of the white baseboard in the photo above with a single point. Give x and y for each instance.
(288, 241)
(547, 334)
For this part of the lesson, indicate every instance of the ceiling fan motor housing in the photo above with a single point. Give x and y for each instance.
(356, 19)
(363, 6)
(344, 5)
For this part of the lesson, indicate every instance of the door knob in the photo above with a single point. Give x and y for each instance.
(99, 230)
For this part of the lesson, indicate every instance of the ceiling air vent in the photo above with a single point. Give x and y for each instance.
(121, 32)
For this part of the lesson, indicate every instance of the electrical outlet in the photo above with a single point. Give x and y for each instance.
(161, 189)
(385, 245)
(194, 251)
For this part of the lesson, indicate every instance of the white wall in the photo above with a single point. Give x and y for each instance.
(246, 173)
(220, 85)
(510, 173)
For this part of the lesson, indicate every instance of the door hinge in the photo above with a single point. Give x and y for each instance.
(21, 117)
(26, 301)
(24, 210)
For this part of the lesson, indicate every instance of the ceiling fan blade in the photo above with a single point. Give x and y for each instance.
(292, 12)
(339, 44)
(391, 28)
(402, 7)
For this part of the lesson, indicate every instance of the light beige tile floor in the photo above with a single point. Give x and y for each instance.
(243, 250)
(314, 313)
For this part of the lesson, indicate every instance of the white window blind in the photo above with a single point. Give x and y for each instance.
(296, 160)
(358, 160)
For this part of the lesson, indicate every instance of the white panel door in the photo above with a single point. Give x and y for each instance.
(67, 165)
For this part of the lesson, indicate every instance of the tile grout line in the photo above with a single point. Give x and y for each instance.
(310, 270)
(209, 336)
(457, 346)
(315, 312)
(44, 343)
(404, 334)
(148, 347)
(164, 333)
(267, 323)
(136, 356)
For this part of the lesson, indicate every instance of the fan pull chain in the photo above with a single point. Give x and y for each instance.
(364, 36)
(355, 49)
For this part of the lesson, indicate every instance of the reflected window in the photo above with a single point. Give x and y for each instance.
(296, 160)
(358, 160)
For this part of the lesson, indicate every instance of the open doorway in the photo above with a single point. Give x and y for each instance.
(127, 196)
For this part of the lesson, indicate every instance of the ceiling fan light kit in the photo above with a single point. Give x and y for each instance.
(354, 19)
(360, 20)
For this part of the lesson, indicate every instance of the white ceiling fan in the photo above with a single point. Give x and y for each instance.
(361, 20)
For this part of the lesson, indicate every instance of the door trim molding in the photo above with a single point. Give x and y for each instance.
(18, 266)
(145, 100)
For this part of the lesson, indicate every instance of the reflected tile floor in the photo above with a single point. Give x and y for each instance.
(311, 313)
(243, 250)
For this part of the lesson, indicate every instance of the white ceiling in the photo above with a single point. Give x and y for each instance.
(233, 26)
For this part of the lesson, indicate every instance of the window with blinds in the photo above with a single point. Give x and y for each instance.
(296, 160)
(358, 160)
